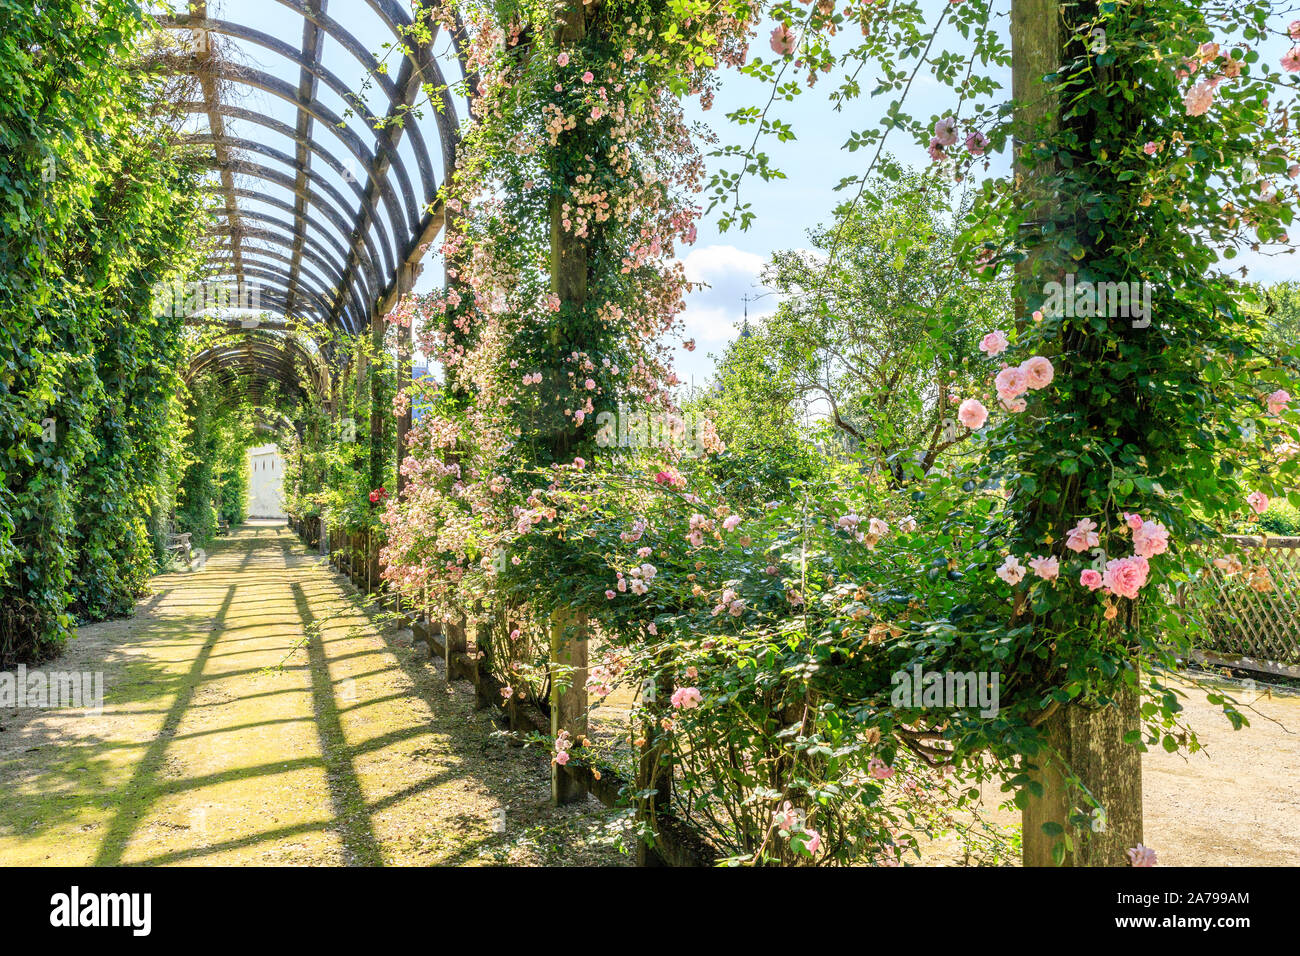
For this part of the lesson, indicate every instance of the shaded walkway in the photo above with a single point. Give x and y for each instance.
(256, 713)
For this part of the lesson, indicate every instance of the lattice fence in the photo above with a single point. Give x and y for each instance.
(1248, 597)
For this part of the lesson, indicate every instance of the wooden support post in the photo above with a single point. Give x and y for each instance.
(568, 694)
(1089, 741)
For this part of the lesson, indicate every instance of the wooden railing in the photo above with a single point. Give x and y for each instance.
(1251, 616)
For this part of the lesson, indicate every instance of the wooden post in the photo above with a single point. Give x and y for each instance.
(568, 694)
(569, 264)
(1090, 741)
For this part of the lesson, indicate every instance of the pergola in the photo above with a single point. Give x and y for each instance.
(327, 209)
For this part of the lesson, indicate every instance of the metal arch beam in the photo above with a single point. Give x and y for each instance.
(318, 292)
(313, 48)
(204, 139)
(413, 68)
(267, 235)
(277, 299)
(312, 302)
(240, 32)
(257, 171)
(275, 125)
(276, 87)
(330, 242)
(277, 203)
(319, 289)
(239, 345)
(284, 238)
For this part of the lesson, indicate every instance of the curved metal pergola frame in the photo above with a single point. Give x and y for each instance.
(330, 256)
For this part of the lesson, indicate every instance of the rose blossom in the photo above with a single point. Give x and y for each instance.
(1278, 401)
(1151, 538)
(1038, 372)
(995, 343)
(1011, 383)
(1082, 536)
(1258, 501)
(1126, 576)
(972, 414)
(1046, 568)
(686, 698)
(1090, 579)
(1012, 571)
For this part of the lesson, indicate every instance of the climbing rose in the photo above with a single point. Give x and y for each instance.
(1258, 501)
(879, 769)
(1151, 538)
(562, 59)
(814, 840)
(1082, 536)
(1278, 401)
(1200, 97)
(1291, 60)
(1141, 856)
(1011, 383)
(1125, 576)
(1012, 571)
(1038, 372)
(1046, 568)
(972, 414)
(995, 343)
(945, 131)
(977, 143)
(1090, 579)
(686, 698)
(783, 41)
(729, 524)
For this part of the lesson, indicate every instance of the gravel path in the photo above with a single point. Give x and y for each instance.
(257, 713)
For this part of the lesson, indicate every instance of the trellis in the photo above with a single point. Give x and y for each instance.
(1254, 628)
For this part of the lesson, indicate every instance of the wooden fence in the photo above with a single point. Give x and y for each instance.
(1249, 600)
(357, 556)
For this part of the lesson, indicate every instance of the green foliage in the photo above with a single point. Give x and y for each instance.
(96, 205)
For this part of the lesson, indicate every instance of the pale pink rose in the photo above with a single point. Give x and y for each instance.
(1046, 568)
(1133, 521)
(588, 77)
(1126, 576)
(1291, 60)
(729, 524)
(945, 131)
(686, 698)
(1150, 539)
(1082, 536)
(1141, 856)
(972, 414)
(783, 40)
(1278, 401)
(814, 840)
(1011, 383)
(1038, 372)
(1258, 501)
(977, 143)
(1090, 579)
(995, 343)
(1015, 406)
(1151, 148)
(562, 59)
(1293, 30)
(562, 757)
(1200, 98)
(1011, 571)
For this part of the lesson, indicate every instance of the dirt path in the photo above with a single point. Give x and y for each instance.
(256, 713)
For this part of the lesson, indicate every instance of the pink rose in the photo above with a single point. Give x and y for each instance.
(686, 698)
(1141, 856)
(1258, 501)
(1126, 576)
(1090, 579)
(783, 41)
(1046, 568)
(1150, 539)
(1278, 401)
(1011, 383)
(972, 414)
(1082, 536)
(1012, 571)
(945, 131)
(1038, 372)
(995, 343)
(562, 59)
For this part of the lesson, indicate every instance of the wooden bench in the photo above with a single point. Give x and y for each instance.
(180, 545)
